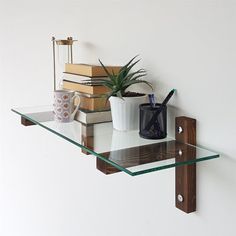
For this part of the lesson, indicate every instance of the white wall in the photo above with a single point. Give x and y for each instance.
(46, 186)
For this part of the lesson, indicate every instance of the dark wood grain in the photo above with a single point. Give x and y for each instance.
(26, 122)
(38, 117)
(136, 156)
(87, 137)
(105, 167)
(185, 176)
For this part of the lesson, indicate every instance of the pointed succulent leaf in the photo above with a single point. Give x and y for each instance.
(140, 72)
(127, 67)
(137, 82)
(138, 76)
(107, 83)
(120, 82)
(130, 67)
(119, 95)
(107, 72)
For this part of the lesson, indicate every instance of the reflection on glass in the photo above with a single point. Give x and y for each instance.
(119, 151)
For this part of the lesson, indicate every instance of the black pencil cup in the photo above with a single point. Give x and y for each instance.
(152, 121)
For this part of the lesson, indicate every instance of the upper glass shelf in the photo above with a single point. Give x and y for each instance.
(124, 151)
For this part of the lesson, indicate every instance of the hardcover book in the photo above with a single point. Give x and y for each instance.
(81, 78)
(93, 103)
(93, 117)
(85, 88)
(90, 70)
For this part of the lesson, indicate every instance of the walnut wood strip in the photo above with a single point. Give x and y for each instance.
(87, 138)
(26, 122)
(38, 117)
(136, 156)
(185, 176)
(105, 167)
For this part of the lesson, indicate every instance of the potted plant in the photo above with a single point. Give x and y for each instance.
(125, 104)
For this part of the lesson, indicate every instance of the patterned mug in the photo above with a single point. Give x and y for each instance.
(64, 110)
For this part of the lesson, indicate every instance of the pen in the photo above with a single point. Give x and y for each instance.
(159, 110)
(152, 99)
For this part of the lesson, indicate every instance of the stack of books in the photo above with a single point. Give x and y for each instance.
(86, 81)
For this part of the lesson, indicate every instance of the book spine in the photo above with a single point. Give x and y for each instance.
(92, 118)
(74, 69)
(88, 70)
(93, 104)
(95, 89)
(77, 87)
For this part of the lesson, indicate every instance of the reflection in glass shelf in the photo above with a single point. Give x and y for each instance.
(124, 151)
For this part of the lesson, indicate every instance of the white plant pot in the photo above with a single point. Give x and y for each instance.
(125, 112)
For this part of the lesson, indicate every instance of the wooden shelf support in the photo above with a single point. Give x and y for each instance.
(26, 122)
(185, 176)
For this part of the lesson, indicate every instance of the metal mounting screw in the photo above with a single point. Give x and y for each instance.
(180, 129)
(180, 152)
(180, 198)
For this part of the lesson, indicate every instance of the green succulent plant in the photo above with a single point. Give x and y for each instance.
(118, 83)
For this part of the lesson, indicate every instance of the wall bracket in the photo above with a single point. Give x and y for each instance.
(185, 176)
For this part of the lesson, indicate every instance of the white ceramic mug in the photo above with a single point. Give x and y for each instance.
(64, 109)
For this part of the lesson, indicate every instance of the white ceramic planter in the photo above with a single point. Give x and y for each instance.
(125, 113)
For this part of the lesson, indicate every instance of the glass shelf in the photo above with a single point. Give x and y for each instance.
(124, 151)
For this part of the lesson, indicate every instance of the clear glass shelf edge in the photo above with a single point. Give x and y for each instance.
(124, 151)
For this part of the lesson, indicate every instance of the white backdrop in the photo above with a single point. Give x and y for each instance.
(47, 187)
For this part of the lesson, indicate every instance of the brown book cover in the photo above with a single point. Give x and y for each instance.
(93, 104)
(81, 78)
(90, 70)
(84, 88)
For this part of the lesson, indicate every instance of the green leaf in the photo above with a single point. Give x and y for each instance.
(118, 83)
(137, 82)
(126, 68)
(141, 72)
(138, 76)
(109, 75)
(130, 67)
(119, 95)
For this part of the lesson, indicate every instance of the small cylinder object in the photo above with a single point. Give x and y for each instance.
(61, 56)
(152, 121)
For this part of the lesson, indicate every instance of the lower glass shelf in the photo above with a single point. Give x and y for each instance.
(124, 151)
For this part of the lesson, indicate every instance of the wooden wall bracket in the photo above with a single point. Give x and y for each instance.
(26, 122)
(185, 176)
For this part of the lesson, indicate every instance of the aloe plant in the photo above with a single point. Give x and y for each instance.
(118, 83)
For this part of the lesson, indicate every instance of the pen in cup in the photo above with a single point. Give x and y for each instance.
(152, 100)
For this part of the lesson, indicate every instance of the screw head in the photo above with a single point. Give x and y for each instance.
(180, 152)
(180, 130)
(180, 198)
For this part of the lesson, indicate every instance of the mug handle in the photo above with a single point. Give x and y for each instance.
(77, 107)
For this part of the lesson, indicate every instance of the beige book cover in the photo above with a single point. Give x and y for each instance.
(93, 104)
(90, 89)
(90, 70)
(93, 117)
